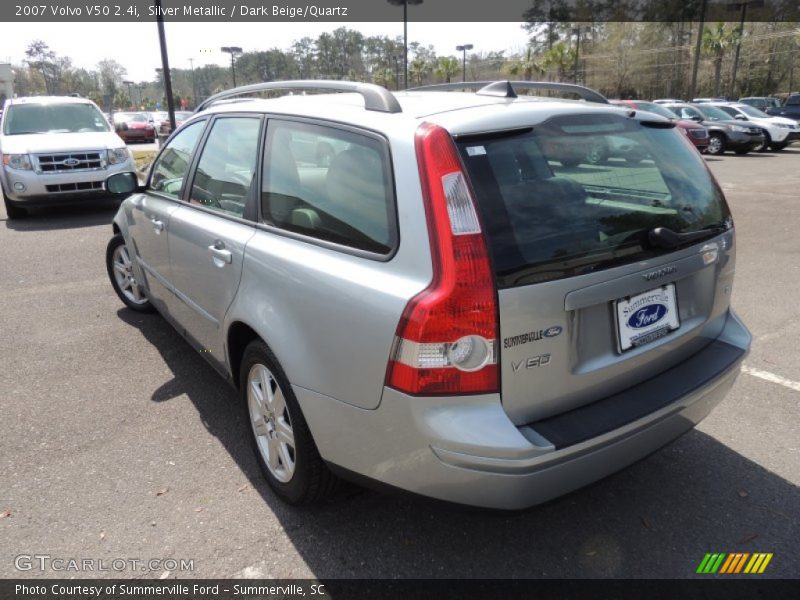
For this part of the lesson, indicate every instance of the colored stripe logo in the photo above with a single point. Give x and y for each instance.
(734, 563)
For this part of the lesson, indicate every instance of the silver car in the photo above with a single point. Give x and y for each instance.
(440, 304)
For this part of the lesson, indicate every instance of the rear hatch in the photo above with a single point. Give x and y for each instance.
(593, 296)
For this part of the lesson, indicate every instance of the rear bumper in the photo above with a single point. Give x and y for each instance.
(466, 450)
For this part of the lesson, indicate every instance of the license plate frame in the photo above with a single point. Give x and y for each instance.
(645, 317)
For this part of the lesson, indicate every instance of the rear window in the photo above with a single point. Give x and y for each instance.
(579, 194)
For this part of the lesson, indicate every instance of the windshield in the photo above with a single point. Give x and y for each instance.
(579, 194)
(712, 113)
(21, 119)
(656, 109)
(752, 112)
(684, 111)
(131, 117)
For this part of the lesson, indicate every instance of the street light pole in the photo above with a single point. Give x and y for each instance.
(577, 32)
(405, 4)
(130, 94)
(756, 3)
(194, 87)
(463, 49)
(697, 47)
(233, 51)
(162, 39)
(396, 60)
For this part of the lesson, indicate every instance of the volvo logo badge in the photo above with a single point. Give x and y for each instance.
(660, 272)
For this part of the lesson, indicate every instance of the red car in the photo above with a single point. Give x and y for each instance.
(134, 127)
(696, 133)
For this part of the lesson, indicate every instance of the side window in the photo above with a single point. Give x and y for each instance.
(330, 184)
(227, 164)
(169, 170)
(731, 111)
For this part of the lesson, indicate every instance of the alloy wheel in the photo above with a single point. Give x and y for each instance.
(124, 276)
(271, 422)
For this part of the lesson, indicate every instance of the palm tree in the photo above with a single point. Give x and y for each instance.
(419, 69)
(526, 66)
(560, 56)
(446, 67)
(717, 41)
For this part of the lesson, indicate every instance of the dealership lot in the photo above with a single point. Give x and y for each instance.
(120, 442)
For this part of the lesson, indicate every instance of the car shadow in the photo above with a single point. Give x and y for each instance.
(654, 519)
(89, 214)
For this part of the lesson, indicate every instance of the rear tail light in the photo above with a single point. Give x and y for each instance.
(446, 338)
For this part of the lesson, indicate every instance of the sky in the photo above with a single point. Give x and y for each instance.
(135, 45)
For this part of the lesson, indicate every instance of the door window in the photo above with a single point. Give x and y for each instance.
(171, 167)
(227, 164)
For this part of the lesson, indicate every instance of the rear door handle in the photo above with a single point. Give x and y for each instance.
(220, 254)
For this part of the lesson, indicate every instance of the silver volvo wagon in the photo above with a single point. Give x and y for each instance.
(439, 290)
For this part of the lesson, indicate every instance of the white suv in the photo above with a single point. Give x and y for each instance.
(55, 150)
(779, 132)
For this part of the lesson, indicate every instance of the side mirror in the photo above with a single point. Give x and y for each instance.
(740, 117)
(122, 183)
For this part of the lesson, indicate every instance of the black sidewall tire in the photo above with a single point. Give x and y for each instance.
(116, 241)
(311, 481)
(767, 143)
(12, 210)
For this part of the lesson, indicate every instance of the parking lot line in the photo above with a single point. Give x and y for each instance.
(771, 377)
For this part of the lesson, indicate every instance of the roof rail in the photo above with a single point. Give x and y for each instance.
(507, 89)
(375, 97)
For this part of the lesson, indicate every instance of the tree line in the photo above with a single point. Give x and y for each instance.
(642, 60)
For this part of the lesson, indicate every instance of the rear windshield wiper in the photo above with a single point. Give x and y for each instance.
(664, 237)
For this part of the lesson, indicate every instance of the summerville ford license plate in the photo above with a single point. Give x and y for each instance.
(646, 316)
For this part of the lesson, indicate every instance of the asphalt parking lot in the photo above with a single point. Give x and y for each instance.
(118, 441)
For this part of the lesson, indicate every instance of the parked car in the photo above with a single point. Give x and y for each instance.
(56, 150)
(790, 108)
(134, 127)
(668, 101)
(779, 132)
(724, 133)
(697, 133)
(181, 116)
(704, 100)
(443, 307)
(761, 102)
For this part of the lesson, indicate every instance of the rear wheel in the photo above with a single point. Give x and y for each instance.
(570, 161)
(120, 270)
(778, 146)
(281, 439)
(716, 144)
